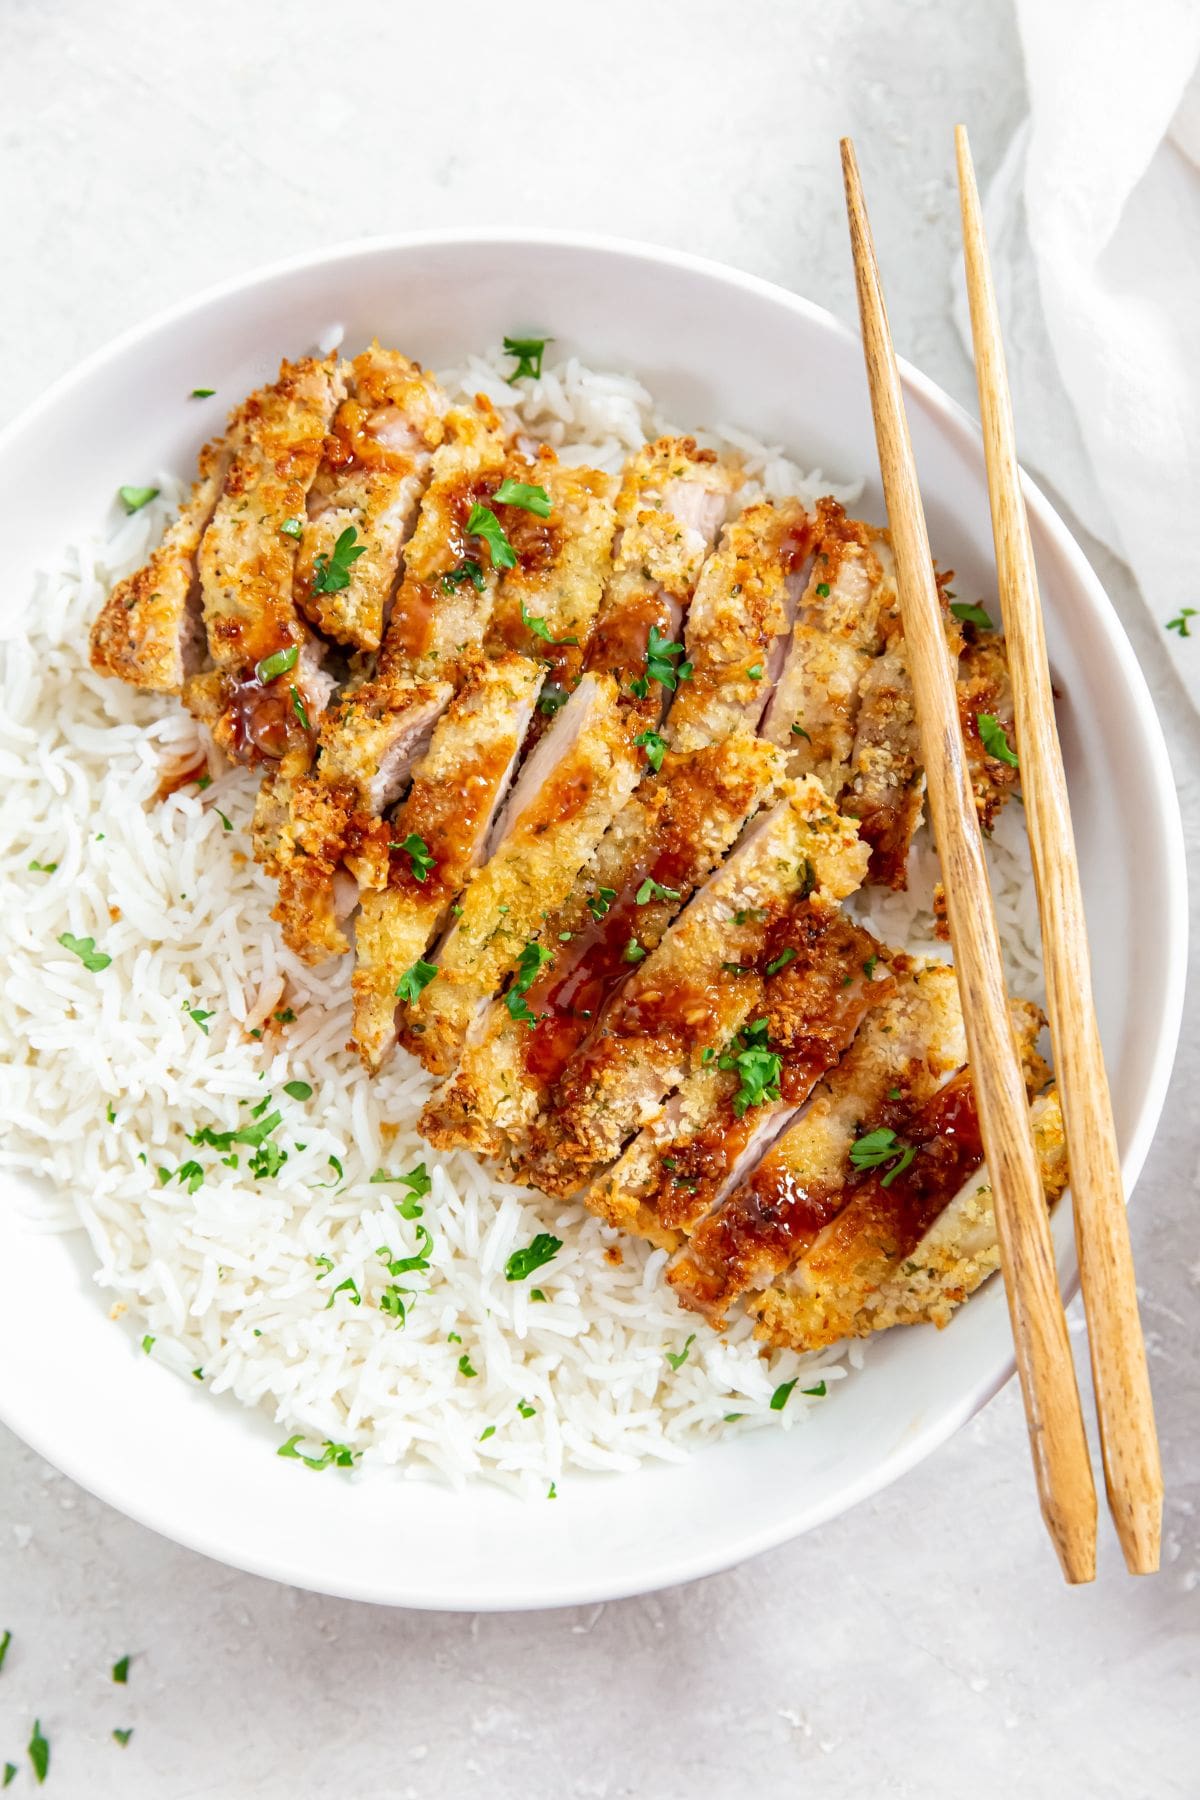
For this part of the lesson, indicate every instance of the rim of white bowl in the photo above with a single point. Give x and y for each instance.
(1169, 825)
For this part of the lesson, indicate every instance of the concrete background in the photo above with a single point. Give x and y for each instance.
(923, 1644)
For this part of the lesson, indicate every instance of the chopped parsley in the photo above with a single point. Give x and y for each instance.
(797, 731)
(808, 878)
(331, 573)
(42, 868)
(880, 1147)
(123, 1733)
(677, 1359)
(414, 981)
(9, 1775)
(197, 1374)
(198, 1016)
(823, 589)
(1180, 622)
(278, 664)
(134, 498)
(868, 967)
(972, 615)
(749, 915)
(757, 1068)
(267, 1161)
(539, 628)
(529, 353)
(226, 821)
(780, 962)
(349, 1286)
(526, 1411)
(599, 902)
(482, 522)
(147, 1344)
(85, 949)
(519, 493)
(419, 859)
(202, 393)
(532, 959)
(633, 952)
(487, 1432)
(120, 1671)
(298, 1090)
(298, 708)
(654, 746)
(39, 1747)
(654, 890)
(285, 1017)
(755, 672)
(536, 1294)
(551, 698)
(341, 1456)
(293, 528)
(5, 1641)
(662, 665)
(522, 1263)
(417, 1263)
(783, 1394)
(467, 570)
(552, 1492)
(464, 1366)
(994, 741)
(816, 1393)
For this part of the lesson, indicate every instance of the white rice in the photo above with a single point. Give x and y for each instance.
(106, 1074)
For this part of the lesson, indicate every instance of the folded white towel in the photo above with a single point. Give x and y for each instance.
(1094, 224)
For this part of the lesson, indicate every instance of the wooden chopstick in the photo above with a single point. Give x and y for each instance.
(1056, 1432)
(1132, 1471)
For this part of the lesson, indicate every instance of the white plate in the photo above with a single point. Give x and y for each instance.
(715, 347)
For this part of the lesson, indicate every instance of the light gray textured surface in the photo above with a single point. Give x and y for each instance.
(923, 1644)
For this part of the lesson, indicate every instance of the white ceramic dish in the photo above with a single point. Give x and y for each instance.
(715, 347)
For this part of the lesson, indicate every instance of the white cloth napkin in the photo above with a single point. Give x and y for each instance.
(1094, 224)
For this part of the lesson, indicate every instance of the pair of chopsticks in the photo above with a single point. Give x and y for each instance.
(1133, 1476)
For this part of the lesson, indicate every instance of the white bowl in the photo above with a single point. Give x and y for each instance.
(715, 347)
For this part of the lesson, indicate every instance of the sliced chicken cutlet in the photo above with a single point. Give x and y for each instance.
(373, 468)
(671, 504)
(333, 819)
(436, 839)
(845, 612)
(984, 690)
(548, 602)
(738, 622)
(568, 792)
(268, 688)
(819, 975)
(960, 1249)
(908, 1047)
(696, 990)
(149, 632)
(828, 1294)
(666, 840)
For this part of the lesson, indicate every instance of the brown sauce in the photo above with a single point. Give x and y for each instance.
(621, 637)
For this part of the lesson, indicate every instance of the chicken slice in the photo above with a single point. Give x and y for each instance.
(904, 1052)
(666, 840)
(149, 631)
(696, 990)
(844, 615)
(247, 564)
(671, 504)
(741, 612)
(827, 1295)
(436, 839)
(827, 974)
(547, 603)
(374, 466)
(333, 816)
(960, 1249)
(564, 799)
(984, 688)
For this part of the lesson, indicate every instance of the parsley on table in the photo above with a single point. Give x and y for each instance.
(654, 746)
(202, 393)
(134, 498)
(677, 1359)
(122, 1734)
(120, 1671)
(341, 1456)
(880, 1147)
(972, 615)
(1180, 622)
(529, 353)
(482, 522)
(529, 499)
(9, 1775)
(85, 949)
(654, 890)
(331, 573)
(5, 1641)
(995, 742)
(39, 1746)
(783, 1394)
(414, 981)
(278, 663)
(522, 1263)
